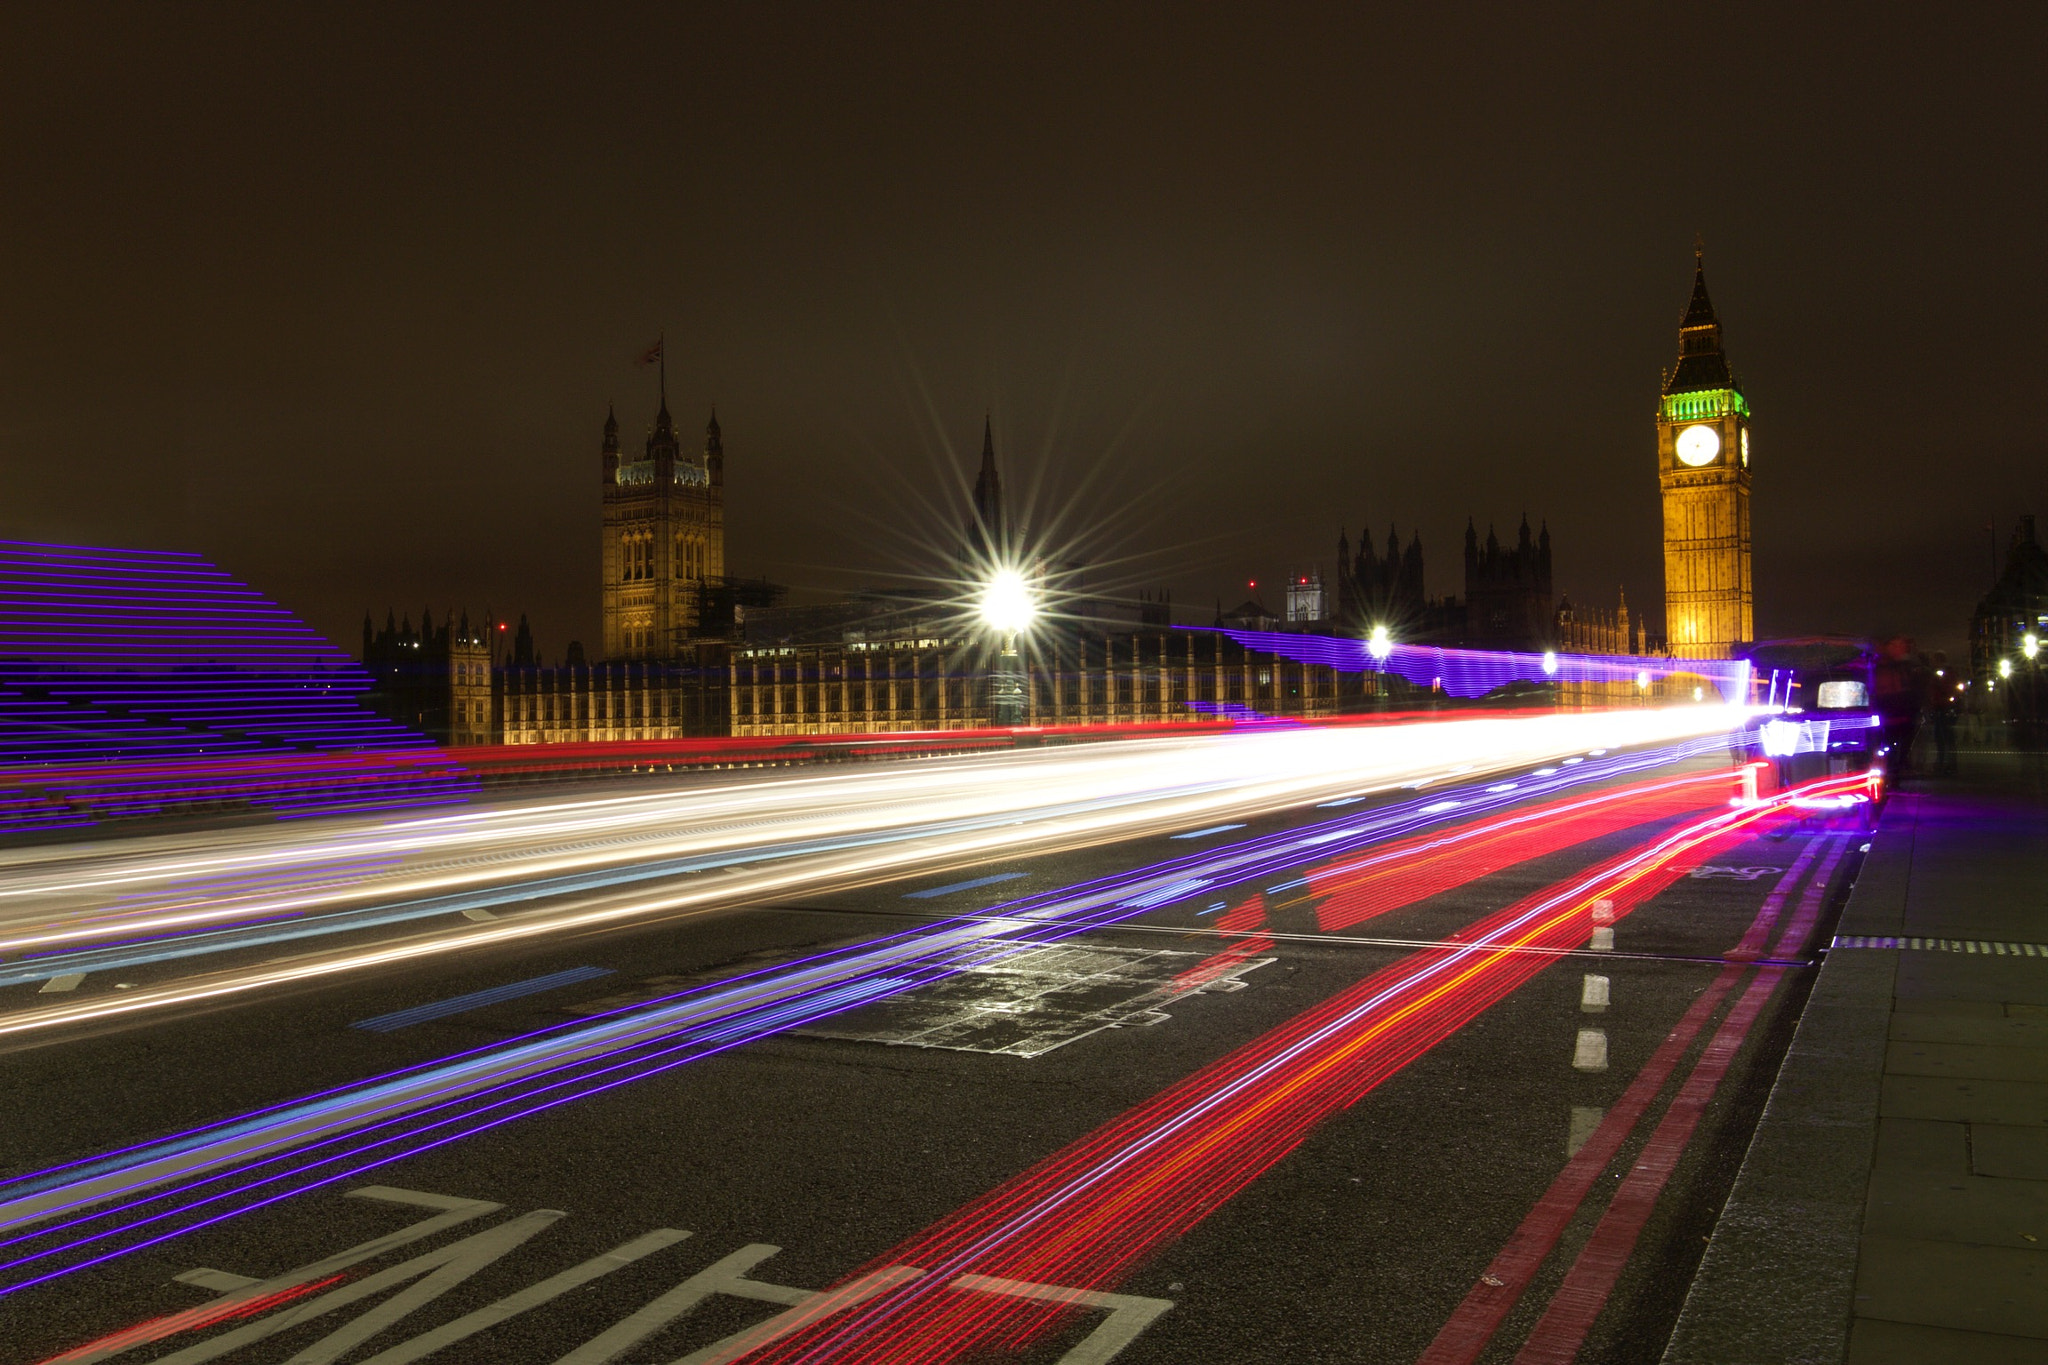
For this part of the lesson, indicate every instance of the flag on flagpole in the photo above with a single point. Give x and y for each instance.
(653, 354)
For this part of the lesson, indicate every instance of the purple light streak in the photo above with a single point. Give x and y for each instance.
(133, 681)
(1476, 672)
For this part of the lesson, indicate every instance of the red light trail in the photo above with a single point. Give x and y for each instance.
(191, 1320)
(1085, 1216)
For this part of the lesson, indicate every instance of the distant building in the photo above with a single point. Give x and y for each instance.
(1703, 471)
(1307, 604)
(1509, 603)
(436, 679)
(1381, 590)
(664, 538)
(2016, 605)
(1590, 630)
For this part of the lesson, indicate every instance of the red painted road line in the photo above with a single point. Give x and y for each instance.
(1793, 940)
(1752, 946)
(1503, 1283)
(1562, 1329)
(1501, 1286)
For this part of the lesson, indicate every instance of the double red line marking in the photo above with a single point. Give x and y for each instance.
(1589, 1282)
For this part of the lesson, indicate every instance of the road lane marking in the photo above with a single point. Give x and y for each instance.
(1602, 940)
(1110, 1199)
(1558, 1334)
(219, 1281)
(476, 1000)
(1593, 994)
(1585, 1123)
(1204, 833)
(67, 982)
(930, 892)
(1486, 1305)
(478, 913)
(1590, 1052)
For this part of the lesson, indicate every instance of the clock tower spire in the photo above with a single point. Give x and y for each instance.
(1703, 471)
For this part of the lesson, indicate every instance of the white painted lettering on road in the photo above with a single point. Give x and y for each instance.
(1129, 1314)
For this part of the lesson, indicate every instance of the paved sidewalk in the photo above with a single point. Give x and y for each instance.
(1893, 1206)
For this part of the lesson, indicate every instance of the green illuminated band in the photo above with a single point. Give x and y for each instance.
(1707, 403)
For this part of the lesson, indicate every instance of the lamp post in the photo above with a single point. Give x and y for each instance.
(1008, 608)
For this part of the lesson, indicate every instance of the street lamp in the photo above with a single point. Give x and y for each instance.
(1008, 607)
(1380, 643)
(2005, 668)
(2030, 644)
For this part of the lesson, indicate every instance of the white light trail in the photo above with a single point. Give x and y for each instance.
(795, 834)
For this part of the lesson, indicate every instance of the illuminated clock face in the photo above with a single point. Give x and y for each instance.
(1745, 447)
(1698, 445)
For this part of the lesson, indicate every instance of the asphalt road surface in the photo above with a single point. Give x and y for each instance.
(1451, 1074)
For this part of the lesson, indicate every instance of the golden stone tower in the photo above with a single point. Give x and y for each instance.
(664, 538)
(1703, 468)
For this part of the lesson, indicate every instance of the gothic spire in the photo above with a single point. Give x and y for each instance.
(1699, 310)
(989, 528)
(1701, 363)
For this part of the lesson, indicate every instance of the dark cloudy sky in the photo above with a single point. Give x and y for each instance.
(337, 294)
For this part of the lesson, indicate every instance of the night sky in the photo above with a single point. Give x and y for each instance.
(338, 296)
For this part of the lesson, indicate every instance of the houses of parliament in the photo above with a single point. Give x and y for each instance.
(688, 650)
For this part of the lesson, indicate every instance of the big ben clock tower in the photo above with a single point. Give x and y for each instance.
(1703, 468)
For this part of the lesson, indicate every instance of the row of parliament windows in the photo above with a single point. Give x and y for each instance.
(637, 557)
(894, 686)
(1143, 678)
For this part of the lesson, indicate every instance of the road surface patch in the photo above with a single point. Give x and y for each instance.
(1029, 1003)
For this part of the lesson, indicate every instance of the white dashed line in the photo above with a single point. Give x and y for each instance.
(1593, 995)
